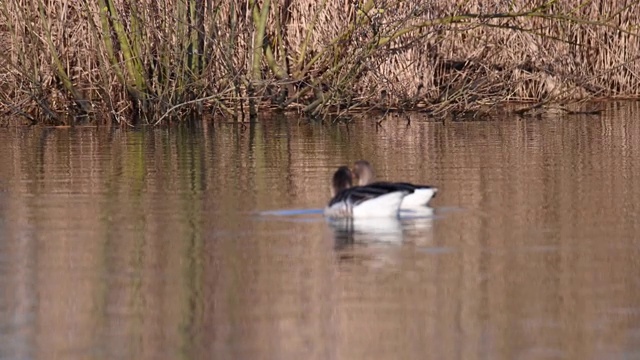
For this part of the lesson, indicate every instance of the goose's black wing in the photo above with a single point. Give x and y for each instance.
(356, 195)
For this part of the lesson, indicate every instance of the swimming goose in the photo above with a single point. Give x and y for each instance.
(419, 197)
(362, 201)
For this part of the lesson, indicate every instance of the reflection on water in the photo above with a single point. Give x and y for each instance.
(383, 230)
(349, 231)
(181, 243)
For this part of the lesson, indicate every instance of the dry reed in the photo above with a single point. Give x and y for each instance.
(137, 62)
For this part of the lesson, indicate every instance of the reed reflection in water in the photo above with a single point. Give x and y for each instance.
(154, 243)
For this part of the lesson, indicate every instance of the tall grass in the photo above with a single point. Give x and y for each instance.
(150, 61)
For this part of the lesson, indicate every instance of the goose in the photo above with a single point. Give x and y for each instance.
(362, 201)
(418, 198)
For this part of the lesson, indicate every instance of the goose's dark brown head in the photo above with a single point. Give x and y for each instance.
(342, 179)
(363, 173)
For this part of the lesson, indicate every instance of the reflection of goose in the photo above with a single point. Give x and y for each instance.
(412, 226)
(371, 201)
(420, 194)
(419, 212)
(417, 224)
(367, 230)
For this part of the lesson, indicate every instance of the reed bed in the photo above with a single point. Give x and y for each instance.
(150, 62)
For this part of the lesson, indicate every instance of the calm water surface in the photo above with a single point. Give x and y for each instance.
(150, 244)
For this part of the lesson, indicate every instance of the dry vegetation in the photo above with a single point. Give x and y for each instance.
(152, 61)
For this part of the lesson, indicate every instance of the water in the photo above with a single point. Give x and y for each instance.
(208, 243)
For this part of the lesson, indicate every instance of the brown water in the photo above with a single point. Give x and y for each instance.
(148, 244)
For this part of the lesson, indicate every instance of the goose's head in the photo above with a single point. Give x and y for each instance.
(342, 179)
(363, 172)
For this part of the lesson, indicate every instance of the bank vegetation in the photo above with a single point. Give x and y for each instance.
(151, 62)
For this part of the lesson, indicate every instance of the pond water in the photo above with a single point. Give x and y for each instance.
(207, 242)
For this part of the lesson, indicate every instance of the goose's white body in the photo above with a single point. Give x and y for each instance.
(419, 199)
(351, 204)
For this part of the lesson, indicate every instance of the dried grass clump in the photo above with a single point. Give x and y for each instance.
(151, 61)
